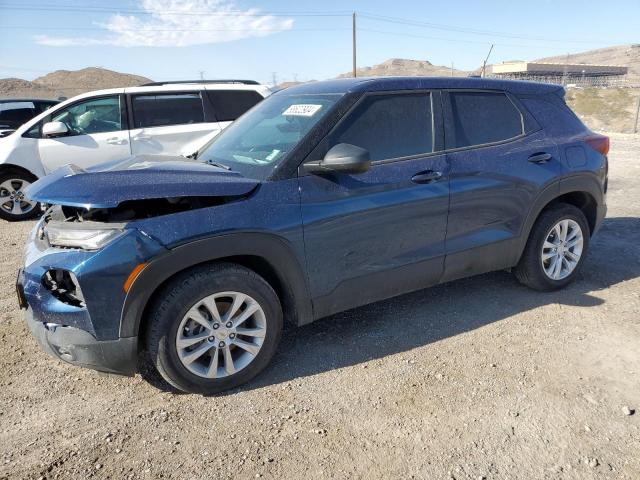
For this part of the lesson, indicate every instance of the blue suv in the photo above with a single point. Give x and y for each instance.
(322, 198)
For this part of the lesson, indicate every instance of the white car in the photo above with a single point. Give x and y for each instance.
(171, 118)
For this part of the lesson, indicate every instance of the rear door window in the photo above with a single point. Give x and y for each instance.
(478, 118)
(161, 110)
(230, 104)
(389, 126)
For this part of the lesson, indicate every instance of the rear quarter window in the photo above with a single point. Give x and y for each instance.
(478, 118)
(230, 104)
(552, 112)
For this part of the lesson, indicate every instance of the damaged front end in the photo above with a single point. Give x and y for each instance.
(140, 209)
(85, 252)
(73, 288)
(139, 187)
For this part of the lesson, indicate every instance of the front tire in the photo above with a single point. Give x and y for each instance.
(214, 328)
(13, 204)
(555, 251)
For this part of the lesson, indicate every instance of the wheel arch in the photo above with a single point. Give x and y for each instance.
(582, 191)
(268, 255)
(10, 167)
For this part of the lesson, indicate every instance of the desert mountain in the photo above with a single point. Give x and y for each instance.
(622, 55)
(405, 67)
(65, 83)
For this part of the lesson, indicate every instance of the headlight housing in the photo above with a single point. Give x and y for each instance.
(85, 237)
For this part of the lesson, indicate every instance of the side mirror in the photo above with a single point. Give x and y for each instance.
(54, 129)
(341, 158)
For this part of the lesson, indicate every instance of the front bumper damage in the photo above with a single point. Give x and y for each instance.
(86, 334)
(80, 348)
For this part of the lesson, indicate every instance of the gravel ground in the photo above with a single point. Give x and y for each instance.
(480, 378)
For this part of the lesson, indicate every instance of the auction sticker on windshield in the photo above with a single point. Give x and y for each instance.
(302, 110)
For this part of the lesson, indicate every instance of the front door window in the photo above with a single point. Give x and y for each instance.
(97, 115)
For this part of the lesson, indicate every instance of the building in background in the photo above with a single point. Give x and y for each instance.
(579, 74)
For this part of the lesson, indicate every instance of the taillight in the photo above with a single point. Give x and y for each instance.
(600, 143)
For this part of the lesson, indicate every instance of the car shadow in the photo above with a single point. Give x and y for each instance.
(426, 316)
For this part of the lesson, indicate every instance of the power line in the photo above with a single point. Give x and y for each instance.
(25, 27)
(230, 13)
(339, 13)
(249, 13)
(472, 31)
(455, 40)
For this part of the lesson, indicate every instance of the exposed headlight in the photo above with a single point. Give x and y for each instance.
(76, 236)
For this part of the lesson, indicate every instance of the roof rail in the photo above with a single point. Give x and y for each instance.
(177, 82)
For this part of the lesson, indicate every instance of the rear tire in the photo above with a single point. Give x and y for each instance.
(555, 251)
(13, 205)
(197, 337)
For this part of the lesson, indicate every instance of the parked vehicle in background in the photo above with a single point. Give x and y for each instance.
(324, 197)
(171, 118)
(16, 111)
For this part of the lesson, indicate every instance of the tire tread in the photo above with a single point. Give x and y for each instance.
(171, 294)
(529, 271)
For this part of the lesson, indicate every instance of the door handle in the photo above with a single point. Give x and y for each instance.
(540, 158)
(116, 141)
(428, 176)
(142, 137)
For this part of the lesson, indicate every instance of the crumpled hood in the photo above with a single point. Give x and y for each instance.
(137, 178)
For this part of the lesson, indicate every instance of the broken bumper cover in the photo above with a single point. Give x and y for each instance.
(86, 334)
(80, 348)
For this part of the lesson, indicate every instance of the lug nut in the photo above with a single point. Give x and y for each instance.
(229, 324)
(221, 344)
(232, 335)
(216, 326)
(211, 339)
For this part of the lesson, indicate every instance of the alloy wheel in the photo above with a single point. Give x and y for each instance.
(221, 334)
(562, 249)
(12, 199)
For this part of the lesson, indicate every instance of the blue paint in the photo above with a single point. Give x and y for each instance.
(355, 238)
(379, 84)
(137, 178)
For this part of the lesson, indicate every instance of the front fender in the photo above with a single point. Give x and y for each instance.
(21, 153)
(270, 248)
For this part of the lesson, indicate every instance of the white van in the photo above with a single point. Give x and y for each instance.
(170, 118)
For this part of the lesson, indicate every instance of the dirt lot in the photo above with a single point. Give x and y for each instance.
(480, 378)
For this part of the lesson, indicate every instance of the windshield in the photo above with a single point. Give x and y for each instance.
(259, 140)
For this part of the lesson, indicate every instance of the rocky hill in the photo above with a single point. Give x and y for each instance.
(622, 55)
(406, 67)
(65, 83)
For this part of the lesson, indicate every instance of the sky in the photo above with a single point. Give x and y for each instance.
(295, 39)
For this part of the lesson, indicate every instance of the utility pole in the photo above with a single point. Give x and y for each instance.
(635, 129)
(353, 27)
(274, 78)
(201, 74)
(452, 69)
(484, 64)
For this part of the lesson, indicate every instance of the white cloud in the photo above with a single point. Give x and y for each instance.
(178, 23)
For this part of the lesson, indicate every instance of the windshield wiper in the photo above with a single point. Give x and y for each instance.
(219, 165)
